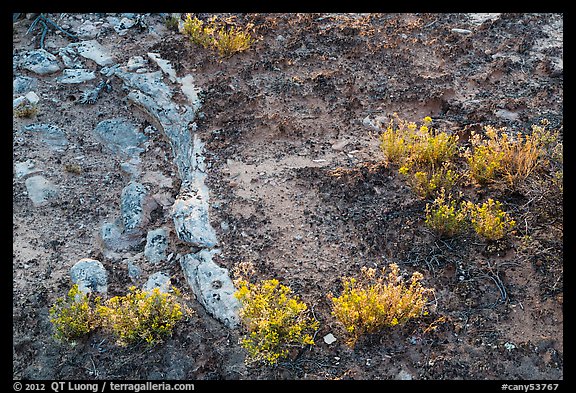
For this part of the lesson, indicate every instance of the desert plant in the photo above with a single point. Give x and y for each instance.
(73, 316)
(26, 110)
(503, 157)
(408, 145)
(226, 40)
(146, 316)
(489, 220)
(444, 216)
(369, 304)
(427, 182)
(275, 320)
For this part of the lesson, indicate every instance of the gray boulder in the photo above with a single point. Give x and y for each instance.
(73, 76)
(156, 245)
(40, 62)
(120, 136)
(132, 207)
(90, 275)
(212, 286)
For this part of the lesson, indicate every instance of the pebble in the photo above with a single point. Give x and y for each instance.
(461, 31)
(329, 338)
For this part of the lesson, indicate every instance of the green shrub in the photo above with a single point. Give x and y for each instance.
(372, 303)
(73, 316)
(275, 320)
(146, 316)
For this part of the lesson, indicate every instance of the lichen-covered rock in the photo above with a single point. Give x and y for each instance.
(156, 245)
(53, 136)
(158, 280)
(120, 136)
(90, 275)
(212, 286)
(40, 62)
(132, 206)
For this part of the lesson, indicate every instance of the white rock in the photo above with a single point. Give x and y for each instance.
(329, 338)
(40, 190)
(32, 97)
(461, 31)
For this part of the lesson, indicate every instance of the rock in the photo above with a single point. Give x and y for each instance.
(114, 239)
(22, 84)
(135, 63)
(40, 190)
(32, 98)
(507, 115)
(191, 220)
(158, 280)
(53, 136)
(40, 62)
(132, 206)
(212, 286)
(120, 136)
(164, 65)
(404, 375)
(156, 245)
(91, 50)
(87, 31)
(134, 271)
(339, 146)
(24, 169)
(329, 338)
(90, 275)
(79, 75)
(461, 31)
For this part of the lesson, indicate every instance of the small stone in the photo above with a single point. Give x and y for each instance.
(92, 50)
(22, 170)
(339, 146)
(461, 31)
(509, 346)
(132, 206)
(22, 84)
(120, 136)
(158, 280)
(53, 136)
(329, 338)
(40, 190)
(32, 98)
(404, 375)
(134, 271)
(90, 275)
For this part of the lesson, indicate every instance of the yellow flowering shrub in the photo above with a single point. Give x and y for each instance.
(73, 316)
(445, 217)
(369, 304)
(510, 158)
(147, 316)
(426, 183)
(213, 34)
(275, 320)
(408, 145)
(489, 220)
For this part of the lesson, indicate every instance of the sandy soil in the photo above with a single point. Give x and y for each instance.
(278, 120)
